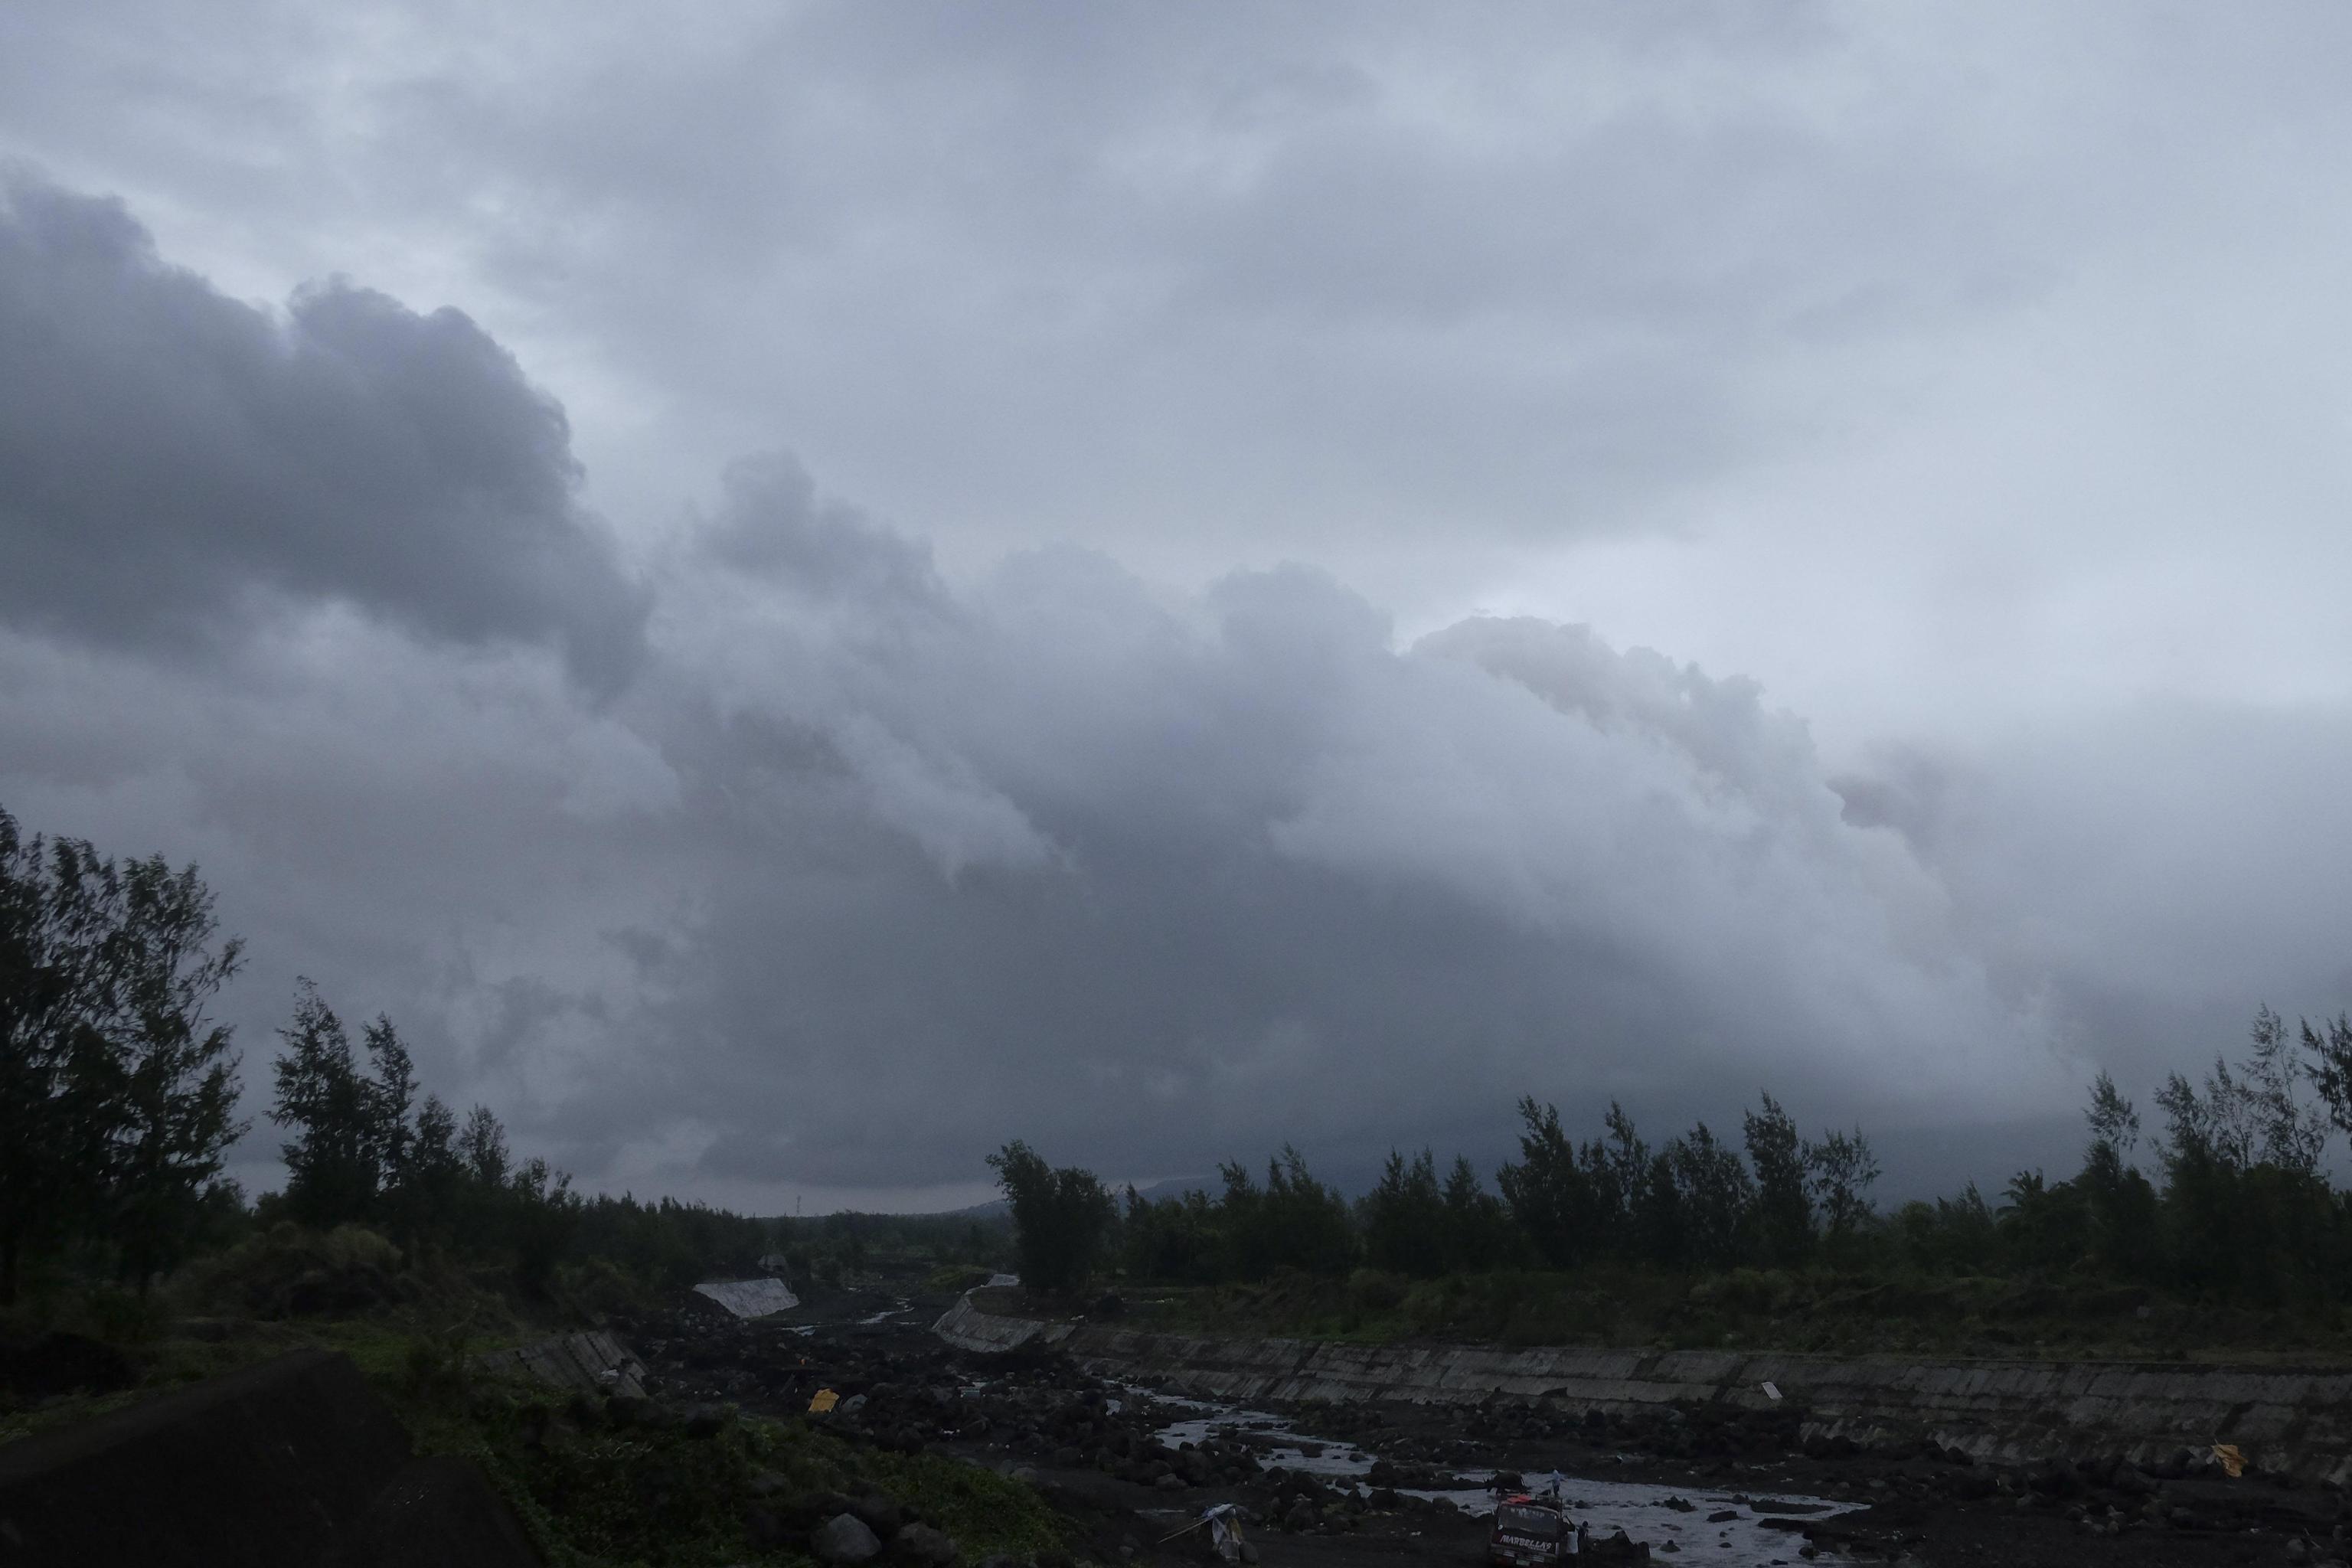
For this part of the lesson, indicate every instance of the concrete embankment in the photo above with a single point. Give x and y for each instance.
(595, 1363)
(2298, 1422)
(295, 1462)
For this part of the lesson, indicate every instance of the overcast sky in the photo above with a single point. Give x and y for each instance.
(797, 591)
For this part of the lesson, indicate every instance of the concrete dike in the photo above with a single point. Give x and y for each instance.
(2010, 1411)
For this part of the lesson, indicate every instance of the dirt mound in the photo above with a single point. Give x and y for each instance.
(295, 1462)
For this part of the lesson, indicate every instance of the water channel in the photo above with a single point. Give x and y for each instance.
(1694, 1525)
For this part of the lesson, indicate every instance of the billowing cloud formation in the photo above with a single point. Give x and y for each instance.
(174, 464)
(866, 872)
(866, 869)
(1155, 881)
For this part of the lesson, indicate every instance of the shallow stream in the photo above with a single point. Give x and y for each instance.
(1686, 1524)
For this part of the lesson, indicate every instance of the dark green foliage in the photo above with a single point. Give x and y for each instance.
(363, 1152)
(1950, 1236)
(333, 1163)
(2242, 1211)
(2329, 1063)
(1479, 1234)
(1840, 1172)
(1782, 1213)
(670, 1244)
(1061, 1219)
(1715, 1194)
(116, 1093)
(1293, 1222)
(1660, 1230)
(1405, 1219)
(1549, 1196)
(1176, 1239)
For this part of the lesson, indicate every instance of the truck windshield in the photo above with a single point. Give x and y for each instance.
(1540, 1522)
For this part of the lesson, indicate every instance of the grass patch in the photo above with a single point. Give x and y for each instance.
(593, 1497)
(984, 1512)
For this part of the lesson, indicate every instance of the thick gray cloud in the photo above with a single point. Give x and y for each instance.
(1156, 881)
(866, 872)
(174, 465)
(1968, 381)
(1957, 335)
(863, 878)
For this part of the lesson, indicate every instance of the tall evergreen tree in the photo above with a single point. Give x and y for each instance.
(1404, 1218)
(175, 1078)
(1717, 1194)
(333, 1162)
(116, 1093)
(1839, 1170)
(1549, 1193)
(2123, 1205)
(1782, 1214)
(2327, 1062)
(57, 907)
(1479, 1234)
(1061, 1219)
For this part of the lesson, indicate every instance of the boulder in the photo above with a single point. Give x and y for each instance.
(878, 1514)
(843, 1542)
(920, 1546)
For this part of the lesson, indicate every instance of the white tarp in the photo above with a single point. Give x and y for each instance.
(749, 1298)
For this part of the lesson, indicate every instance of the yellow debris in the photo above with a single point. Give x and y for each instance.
(2233, 1463)
(825, 1400)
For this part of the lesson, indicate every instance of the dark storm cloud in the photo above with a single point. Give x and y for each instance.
(872, 865)
(865, 871)
(175, 465)
(1356, 280)
(1156, 881)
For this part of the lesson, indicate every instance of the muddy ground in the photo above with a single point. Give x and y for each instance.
(1734, 1487)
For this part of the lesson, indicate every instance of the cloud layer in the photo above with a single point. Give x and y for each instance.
(1975, 375)
(838, 874)
(175, 465)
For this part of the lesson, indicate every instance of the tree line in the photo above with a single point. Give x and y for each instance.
(118, 1093)
(118, 1100)
(1693, 1203)
(2231, 1199)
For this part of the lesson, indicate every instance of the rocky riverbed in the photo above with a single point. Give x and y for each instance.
(1355, 1483)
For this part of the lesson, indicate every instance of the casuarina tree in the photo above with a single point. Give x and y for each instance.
(1782, 1213)
(116, 1093)
(1061, 1219)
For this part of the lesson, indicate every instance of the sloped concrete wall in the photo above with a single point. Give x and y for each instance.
(594, 1363)
(2294, 1420)
(749, 1298)
(966, 1327)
